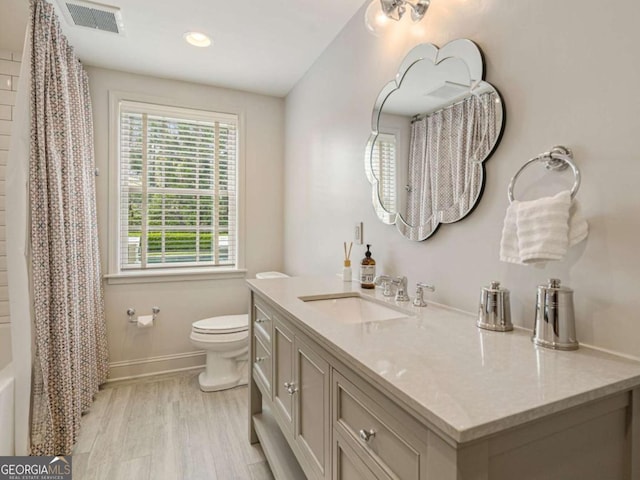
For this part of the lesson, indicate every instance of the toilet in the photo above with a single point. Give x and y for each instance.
(225, 339)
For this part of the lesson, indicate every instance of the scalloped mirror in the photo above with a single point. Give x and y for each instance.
(433, 126)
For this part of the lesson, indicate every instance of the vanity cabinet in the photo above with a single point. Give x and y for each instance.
(374, 432)
(301, 397)
(262, 362)
(347, 465)
(320, 416)
(311, 408)
(284, 382)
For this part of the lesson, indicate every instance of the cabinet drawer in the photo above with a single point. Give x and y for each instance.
(374, 432)
(346, 464)
(262, 366)
(263, 322)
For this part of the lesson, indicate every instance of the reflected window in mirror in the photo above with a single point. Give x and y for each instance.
(383, 163)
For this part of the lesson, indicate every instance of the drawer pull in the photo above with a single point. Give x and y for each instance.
(365, 435)
(260, 359)
(290, 386)
(261, 320)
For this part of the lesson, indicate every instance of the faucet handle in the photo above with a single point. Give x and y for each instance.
(420, 288)
(385, 281)
(424, 286)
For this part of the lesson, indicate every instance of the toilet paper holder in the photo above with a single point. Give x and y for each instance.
(132, 311)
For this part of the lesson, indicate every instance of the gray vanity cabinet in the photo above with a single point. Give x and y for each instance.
(318, 417)
(283, 380)
(374, 429)
(301, 397)
(346, 463)
(311, 400)
(261, 347)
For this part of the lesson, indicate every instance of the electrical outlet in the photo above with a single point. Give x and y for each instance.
(357, 234)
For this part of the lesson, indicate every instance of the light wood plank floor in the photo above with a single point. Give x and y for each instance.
(165, 428)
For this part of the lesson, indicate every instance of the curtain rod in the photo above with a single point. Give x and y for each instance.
(420, 116)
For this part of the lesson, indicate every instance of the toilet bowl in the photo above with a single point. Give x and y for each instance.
(225, 339)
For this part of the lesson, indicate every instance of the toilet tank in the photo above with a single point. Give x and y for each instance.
(264, 275)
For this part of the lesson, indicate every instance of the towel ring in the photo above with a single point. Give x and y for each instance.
(558, 159)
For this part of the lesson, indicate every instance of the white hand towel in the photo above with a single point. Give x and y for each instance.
(541, 230)
(578, 226)
(509, 251)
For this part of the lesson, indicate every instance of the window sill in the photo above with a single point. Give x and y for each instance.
(174, 275)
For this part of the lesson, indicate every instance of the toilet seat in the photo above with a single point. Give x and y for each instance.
(222, 325)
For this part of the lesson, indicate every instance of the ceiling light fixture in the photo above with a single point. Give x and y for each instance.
(379, 12)
(197, 39)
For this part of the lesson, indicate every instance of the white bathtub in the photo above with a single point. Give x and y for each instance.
(6, 393)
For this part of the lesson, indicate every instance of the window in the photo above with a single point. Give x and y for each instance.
(383, 164)
(177, 187)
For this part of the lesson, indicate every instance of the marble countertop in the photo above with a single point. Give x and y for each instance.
(467, 382)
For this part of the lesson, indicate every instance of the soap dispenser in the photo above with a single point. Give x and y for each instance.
(367, 270)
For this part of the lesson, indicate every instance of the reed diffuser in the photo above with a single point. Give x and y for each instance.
(346, 271)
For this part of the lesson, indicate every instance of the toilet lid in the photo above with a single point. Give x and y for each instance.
(223, 324)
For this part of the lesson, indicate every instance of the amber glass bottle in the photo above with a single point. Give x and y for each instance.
(367, 270)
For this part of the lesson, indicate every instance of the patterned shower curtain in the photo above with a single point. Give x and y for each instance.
(70, 334)
(444, 175)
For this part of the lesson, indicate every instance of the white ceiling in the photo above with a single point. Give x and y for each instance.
(262, 46)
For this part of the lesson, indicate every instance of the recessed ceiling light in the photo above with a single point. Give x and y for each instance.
(197, 39)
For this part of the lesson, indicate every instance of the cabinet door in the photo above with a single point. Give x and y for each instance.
(312, 422)
(283, 374)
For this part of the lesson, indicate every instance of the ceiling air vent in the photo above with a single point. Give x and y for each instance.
(93, 15)
(448, 90)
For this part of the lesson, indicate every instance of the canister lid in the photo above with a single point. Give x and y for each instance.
(494, 286)
(554, 284)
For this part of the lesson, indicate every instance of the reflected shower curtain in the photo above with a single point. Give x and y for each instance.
(444, 174)
(68, 309)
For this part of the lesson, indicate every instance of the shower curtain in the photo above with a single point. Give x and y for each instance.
(444, 175)
(67, 303)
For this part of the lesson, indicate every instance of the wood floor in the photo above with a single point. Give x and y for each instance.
(165, 428)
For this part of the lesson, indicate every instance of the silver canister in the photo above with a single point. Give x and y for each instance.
(495, 310)
(555, 323)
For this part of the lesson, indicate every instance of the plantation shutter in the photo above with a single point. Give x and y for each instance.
(383, 162)
(178, 192)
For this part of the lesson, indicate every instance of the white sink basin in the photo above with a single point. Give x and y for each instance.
(354, 309)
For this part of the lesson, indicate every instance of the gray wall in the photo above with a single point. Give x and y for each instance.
(568, 73)
(166, 346)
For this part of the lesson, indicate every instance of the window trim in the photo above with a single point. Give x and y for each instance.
(115, 274)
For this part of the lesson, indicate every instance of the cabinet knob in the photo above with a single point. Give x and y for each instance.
(260, 359)
(366, 435)
(290, 386)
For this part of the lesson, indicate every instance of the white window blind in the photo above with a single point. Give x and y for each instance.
(178, 187)
(383, 163)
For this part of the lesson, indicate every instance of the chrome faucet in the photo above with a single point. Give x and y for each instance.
(385, 281)
(401, 289)
(420, 288)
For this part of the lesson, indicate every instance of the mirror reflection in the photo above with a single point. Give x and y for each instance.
(432, 127)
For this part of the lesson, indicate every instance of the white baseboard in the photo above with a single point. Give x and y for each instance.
(144, 367)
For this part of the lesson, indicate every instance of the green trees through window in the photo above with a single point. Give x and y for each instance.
(178, 188)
